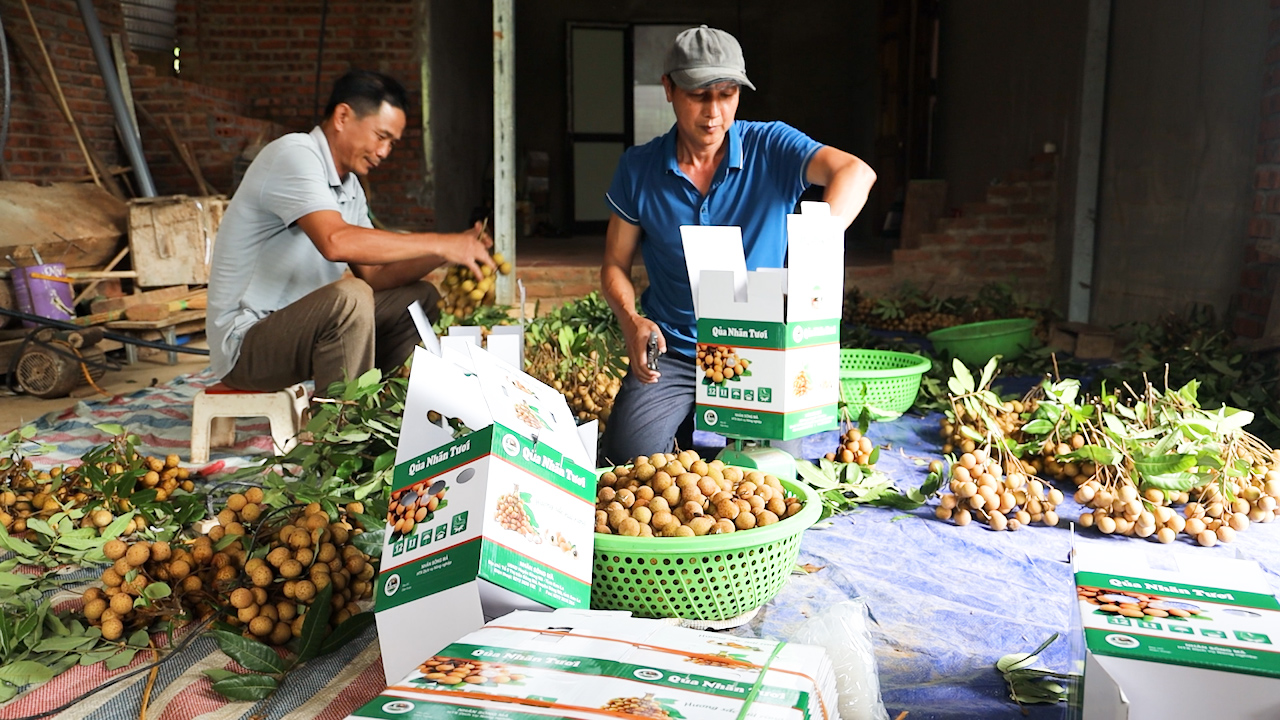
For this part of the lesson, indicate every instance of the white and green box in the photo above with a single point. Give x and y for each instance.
(1217, 656)
(492, 472)
(768, 340)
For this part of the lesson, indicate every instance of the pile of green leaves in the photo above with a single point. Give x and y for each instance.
(120, 491)
(579, 334)
(1030, 685)
(37, 643)
(1196, 346)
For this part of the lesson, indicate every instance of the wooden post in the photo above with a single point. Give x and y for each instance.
(504, 143)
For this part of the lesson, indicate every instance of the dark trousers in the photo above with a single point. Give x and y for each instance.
(648, 419)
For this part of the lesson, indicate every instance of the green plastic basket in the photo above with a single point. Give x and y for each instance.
(713, 577)
(882, 379)
(976, 343)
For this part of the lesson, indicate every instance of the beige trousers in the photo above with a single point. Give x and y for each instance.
(337, 332)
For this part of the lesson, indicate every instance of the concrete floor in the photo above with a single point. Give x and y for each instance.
(17, 410)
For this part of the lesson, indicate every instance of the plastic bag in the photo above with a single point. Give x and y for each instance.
(842, 630)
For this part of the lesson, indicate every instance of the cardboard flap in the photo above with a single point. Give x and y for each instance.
(437, 385)
(714, 247)
(815, 264)
(763, 301)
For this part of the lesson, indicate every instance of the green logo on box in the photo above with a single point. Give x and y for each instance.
(1252, 637)
(736, 394)
(749, 395)
(411, 542)
(766, 395)
(1185, 630)
(1213, 633)
(1148, 625)
(442, 531)
(398, 547)
(724, 392)
(711, 391)
(459, 523)
(1114, 620)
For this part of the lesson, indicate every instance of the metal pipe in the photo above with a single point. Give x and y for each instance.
(106, 65)
(126, 339)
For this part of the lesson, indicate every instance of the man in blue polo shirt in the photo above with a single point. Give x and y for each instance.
(708, 170)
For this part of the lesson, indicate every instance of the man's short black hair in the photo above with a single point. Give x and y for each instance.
(365, 91)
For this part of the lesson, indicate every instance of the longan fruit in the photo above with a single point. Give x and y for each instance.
(94, 608)
(745, 521)
(642, 515)
(112, 629)
(683, 531)
(260, 577)
(226, 573)
(92, 593)
(235, 503)
(248, 613)
(299, 538)
(251, 512)
(765, 517)
(241, 598)
(304, 591)
(138, 554)
(226, 517)
(262, 626)
(629, 527)
(290, 569)
(161, 551)
(723, 525)
(121, 566)
(286, 610)
(115, 549)
(276, 557)
(281, 633)
(355, 564)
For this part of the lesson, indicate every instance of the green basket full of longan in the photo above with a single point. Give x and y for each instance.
(679, 536)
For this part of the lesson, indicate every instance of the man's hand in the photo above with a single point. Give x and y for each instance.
(637, 331)
(469, 249)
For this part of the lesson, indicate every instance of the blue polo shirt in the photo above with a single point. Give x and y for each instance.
(757, 184)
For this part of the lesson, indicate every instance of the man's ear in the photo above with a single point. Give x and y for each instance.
(666, 85)
(341, 114)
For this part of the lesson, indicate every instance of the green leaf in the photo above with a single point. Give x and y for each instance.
(370, 542)
(1015, 661)
(1164, 464)
(216, 674)
(1095, 453)
(246, 687)
(25, 672)
(349, 630)
(66, 644)
(41, 527)
(111, 429)
(117, 526)
(314, 624)
(1037, 427)
(1173, 482)
(962, 376)
(139, 639)
(989, 372)
(251, 653)
(972, 434)
(813, 476)
(120, 659)
(13, 583)
(97, 656)
(226, 542)
(157, 590)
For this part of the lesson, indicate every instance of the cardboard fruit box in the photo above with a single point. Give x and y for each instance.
(1200, 640)
(768, 340)
(492, 505)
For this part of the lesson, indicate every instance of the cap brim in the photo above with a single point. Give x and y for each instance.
(696, 78)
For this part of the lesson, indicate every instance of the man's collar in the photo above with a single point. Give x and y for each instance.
(731, 136)
(331, 169)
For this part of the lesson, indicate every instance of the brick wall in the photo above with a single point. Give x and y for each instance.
(41, 144)
(266, 53)
(1254, 310)
(1007, 238)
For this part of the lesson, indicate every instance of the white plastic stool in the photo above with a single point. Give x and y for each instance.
(214, 413)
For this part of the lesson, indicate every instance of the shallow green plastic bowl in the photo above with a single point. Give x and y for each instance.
(976, 343)
(713, 577)
(882, 379)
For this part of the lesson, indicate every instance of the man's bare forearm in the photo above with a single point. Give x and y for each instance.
(620, 293)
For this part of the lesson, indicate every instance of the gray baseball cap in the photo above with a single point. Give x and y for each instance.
(703, 56)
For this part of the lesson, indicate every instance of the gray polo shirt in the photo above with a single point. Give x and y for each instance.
(262, 260)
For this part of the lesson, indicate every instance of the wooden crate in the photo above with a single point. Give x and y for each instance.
(171, 238)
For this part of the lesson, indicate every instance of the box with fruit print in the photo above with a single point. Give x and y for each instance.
(586, 664)
(1186, 621)
(492, 505)
(768, 355)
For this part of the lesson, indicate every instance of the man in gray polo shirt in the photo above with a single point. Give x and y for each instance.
(281, 308)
